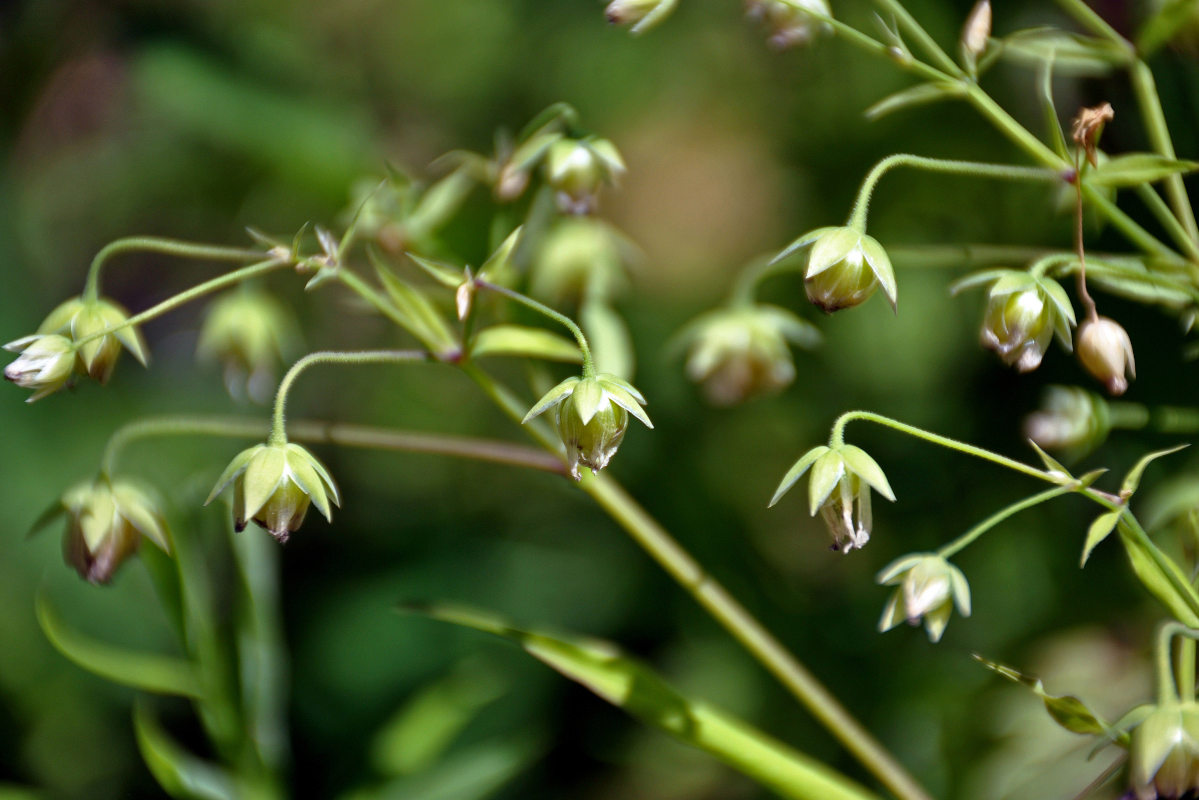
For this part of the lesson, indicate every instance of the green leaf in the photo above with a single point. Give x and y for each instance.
(633, 686)
(1066, 710)
(178, 772)
(1052, 465)
(475, 772)
(796, 472)
(1100, 529)
(521, 340)
(447, 275)
(1133, 479)
(914, 96)
(1134, 169)
(1170, 17)
(1049, 109)
(417, 313)
(149, 672)
(1072, 54)
(439, 203)
(1160, 575)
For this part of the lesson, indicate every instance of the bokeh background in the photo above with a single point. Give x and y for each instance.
(197, 119)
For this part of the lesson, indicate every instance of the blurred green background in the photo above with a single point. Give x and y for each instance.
(196, 119)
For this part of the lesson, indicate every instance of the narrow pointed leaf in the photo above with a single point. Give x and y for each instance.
(1133, 479)
(1049, 109)
(1133, 169)
(1100, 529)
(919, 95)
(446, 274)
(1066, 710)
(521, 340)
(1052, 464)
(1161, 576)
(179, 773)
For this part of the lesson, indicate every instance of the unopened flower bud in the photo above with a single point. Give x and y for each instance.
(577, 256)
(249, 332)
(790, 22)
(45, 364)
(577, 168)
(640, 15)
(839, 488)
(1070, 419)
(844, 268)
(976, 32)
(273, 485)
(1023, 314)
(591, 415)
(1106, 351)
(1163, 753)
(739, 352)
(107, 522)
(80, 319)
(928, 589)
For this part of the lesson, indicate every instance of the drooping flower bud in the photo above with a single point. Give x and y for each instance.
(577, 168)
(45, 364)
(1070, 419)
(1163, 753)
(578, 256)
(273, 485)
(844, 268)
(790, 22)
(107, 522)
(249, 332)
(739, 352)
(842, 477)
(929, 588)
(79, 319)
(975, 34)
(639, 15)
(591, 415)
(1106, 351)
(1023, 314)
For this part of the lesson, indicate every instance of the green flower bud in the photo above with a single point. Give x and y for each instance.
(107, 522)
(273, 485)
(1106, 351)
(45, 364)
(591, 416)
(1069, 419)
(640, 15)
(249, 332)
(842, 477)
(844, 268)
(579, 255)
(577, 168)
(790, 22)
(736, 353)
(78, 319)
(929, 588)
(1023, 314)
(1163, 753)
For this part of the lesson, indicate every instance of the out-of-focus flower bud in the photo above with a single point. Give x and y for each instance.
(839, 489)
(591, 415)
(1163, 753)
(578, 256)
(640, 15)
(928, 589)
(79, 319)
(1023, 313)
(107, 522)
(790, 22)
(844, 268)
(739, 352)
(1106, 351)
(1070, 419)
(45, 364)
(250, 333)
(975, 33)
(577, 168)
(273, 485)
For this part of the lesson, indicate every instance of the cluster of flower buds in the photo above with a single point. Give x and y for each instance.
(1069, 419)
(742, 351)
(1163, 752)
(842, 477)
(106, 522)
(1106, 351)
(928, 588)
(249, 332)
(591, 415)
(790, 22)
(273, 485)
(51, 356)
(845, 267)
(577, 168)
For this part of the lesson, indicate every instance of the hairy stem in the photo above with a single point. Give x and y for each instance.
(155, 244)
(543, 309)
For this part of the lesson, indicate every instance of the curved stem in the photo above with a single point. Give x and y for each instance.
(278, 434)
(1080, 250)
(978, 530)
(171, 303)
(857, 217)
(838, 437)
(1167, 691)
(541, 308)
(155, 244)
(1184, 673)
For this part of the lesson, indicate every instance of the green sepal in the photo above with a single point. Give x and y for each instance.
(180, 774)
(135, 504)
(977, 279)
(129, 335)
(330, 485)
(97, 518)
(1133, 479)
(149, 672)
(796, 472)
(832, 248)
(1064, 319)
(608, 379)
(880, 265)
(914, 96)
(859, 462)
(530, 151)
(235, 468)
(618, 395)
(802, 241)
(310, 483)
(522, 340)
(605, 151)
(826, 473)
(88, 321)
(1010, 282)
(1066, 710)
(1134, 169)
(56, 510)
(589, 398)
(889, 575)
(552, 398)
(264, 474)
(1099, 530)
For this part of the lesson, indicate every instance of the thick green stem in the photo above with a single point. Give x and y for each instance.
(857, 218)
(1166, 218)
(171, 303)
(1173, 686)
(278, 433)
(1154, 118)
(543, 309)
(1184, 673)
(978, 530)
(154, 244)
(1086, 16)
